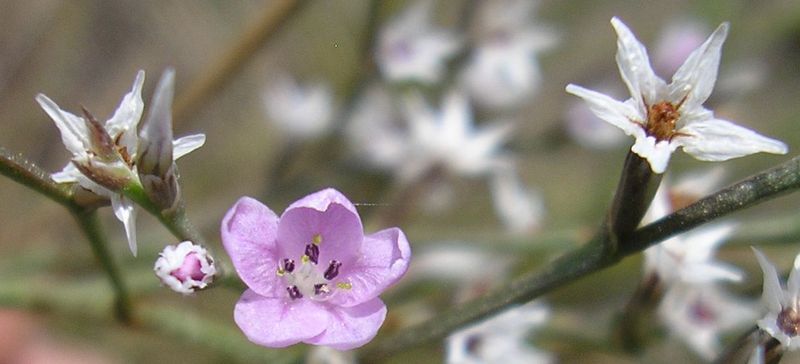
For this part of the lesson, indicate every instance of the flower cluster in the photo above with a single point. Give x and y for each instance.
(110, 157)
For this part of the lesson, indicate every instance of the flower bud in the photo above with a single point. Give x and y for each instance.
(185, 268)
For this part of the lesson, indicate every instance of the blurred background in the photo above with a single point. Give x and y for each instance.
(326, 100)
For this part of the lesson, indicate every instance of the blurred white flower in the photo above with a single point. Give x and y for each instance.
(500, 339)
(104, 155)
(662, 117)
(502, 70)
(448, 139)
(687, 257)
(520, 208)
(699, 314)
(301, 112)
(374, 130)
(185, 268)
(782, 320)
(410, 49)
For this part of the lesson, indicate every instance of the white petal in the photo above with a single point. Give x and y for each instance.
(456, 115)
(710, 272)
(185, 145)
(702, 242)
(697, 75)
(634, 66)
(73, 130)
(126, 117)
(155, 139)
(619, 114)
(657, 154)
(125, 211)
(69, 174)
(793, 284)
(520, 209)
(772, 294)
(719, 140)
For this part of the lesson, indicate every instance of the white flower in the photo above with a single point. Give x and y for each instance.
(410, 49)
(500, 339)
(302, 112)
(520, 208)
(783, 319)
(699, 314)
(374, 130)
(448, 139)
(104, 155)
(687, 257)
(185, 268)
(663, 117)
(502, 71)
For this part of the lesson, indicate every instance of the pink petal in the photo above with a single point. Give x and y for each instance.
(276, 322)
(383, 261)
(331, 216)
(249, 232)
(352, 327)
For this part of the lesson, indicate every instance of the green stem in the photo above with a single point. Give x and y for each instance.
(87, 220)
(593, 257)
(635, 191)
(221, 71)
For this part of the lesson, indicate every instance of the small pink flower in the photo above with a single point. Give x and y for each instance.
(185, 267)
(313, 275)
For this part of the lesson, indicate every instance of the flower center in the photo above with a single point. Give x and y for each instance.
(789, 322)
(308, 279)
(702, 313)
(662, 119)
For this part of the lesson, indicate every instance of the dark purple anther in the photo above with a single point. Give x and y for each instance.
(288, 265)
(312, 251)
(333, 270)
(294, 292)
(320, 288)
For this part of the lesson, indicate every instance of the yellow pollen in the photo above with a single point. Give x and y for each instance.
(344, 285)
(280, 272)
(305, 258)
(317, 239)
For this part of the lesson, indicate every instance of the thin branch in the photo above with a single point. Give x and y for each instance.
(27, 173)
(593, 257)
(232, 61)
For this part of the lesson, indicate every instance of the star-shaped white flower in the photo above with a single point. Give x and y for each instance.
(301, 111)
(782, 321)
(699, 314)
(502, 70)
(105, 155)
(500, 339)
(410, 49)
(687, 257)
(663, 117)
(448, 138)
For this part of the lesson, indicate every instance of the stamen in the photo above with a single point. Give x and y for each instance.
(789, 322)
(317, 239)
(333, 270)
(288, 265)
(321, 288)
(312, 251)
(344, 285)
(294, 292)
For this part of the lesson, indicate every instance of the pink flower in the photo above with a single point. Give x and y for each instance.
(313, 275)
